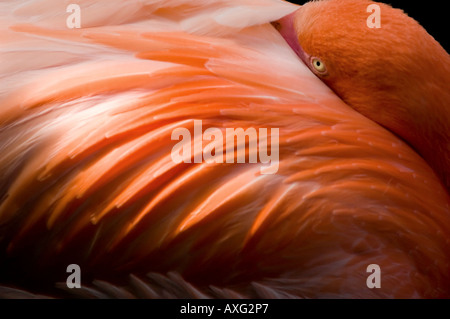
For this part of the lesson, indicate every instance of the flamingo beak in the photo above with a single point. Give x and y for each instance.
(286, 27)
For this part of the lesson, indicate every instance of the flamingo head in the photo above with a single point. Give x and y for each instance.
(381, 62)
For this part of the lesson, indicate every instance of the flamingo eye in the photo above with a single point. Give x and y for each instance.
(319, 66)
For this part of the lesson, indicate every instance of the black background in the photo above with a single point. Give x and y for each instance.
(434, 16)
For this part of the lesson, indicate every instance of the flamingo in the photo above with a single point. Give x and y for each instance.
(88, 177)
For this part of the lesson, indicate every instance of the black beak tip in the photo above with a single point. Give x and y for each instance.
(276, 25)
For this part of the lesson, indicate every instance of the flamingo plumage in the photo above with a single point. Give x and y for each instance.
(87, 175)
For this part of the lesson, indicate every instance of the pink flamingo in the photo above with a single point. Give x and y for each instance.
(87, 175)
